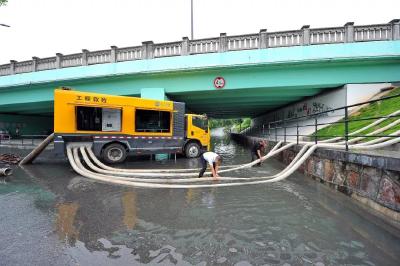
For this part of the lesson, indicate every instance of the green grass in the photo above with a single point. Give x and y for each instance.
(380, 108)
(245, 124)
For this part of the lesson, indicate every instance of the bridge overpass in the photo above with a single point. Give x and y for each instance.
(261, 71)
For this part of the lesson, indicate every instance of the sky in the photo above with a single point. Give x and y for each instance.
(45, 27)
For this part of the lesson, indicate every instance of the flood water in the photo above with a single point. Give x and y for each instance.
(51, 216)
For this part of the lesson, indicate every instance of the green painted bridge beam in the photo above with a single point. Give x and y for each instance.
(245, 100)
(278, 75)
(247, 94)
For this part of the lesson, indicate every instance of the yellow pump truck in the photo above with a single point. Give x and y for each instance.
(118, 126)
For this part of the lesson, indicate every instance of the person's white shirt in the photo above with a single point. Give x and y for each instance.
(210, 157)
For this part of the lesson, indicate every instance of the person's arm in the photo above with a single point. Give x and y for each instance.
(213, 171)
(216, 169)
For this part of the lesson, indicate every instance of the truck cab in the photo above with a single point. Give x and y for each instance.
(197, 135)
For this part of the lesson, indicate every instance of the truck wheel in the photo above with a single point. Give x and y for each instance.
(192, 150)
(114, 153)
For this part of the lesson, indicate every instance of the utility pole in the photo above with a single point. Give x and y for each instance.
(191, 18)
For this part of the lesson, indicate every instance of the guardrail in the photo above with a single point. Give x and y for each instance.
(223, 43)
(270, 129)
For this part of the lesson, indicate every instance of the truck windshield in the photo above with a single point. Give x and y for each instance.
(200, 122)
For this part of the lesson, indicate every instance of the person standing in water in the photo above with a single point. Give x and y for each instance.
(212, 159)
(256, 150)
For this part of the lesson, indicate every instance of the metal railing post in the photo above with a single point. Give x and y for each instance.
(284, 130)
(297, 133)
(269, 129)
(276, 132)
(346, 127)
(316, 129)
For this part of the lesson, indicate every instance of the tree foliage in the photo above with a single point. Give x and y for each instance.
(229, 123)
(3, 2)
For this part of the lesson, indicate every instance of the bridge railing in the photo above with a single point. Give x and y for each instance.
(290, 128)
(223, 43)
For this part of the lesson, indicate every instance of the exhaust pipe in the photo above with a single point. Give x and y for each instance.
(5, 171)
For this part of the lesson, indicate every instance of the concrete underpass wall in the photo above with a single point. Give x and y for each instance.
(27, 125)
(371, 179)
(348, 94)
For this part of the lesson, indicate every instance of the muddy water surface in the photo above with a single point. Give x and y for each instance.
(51, 216)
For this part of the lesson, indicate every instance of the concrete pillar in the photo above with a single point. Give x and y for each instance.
(153, 93)
(263, 39)
(12, 66)
(34, 63)
(85, 57)
(305, 37)
(185, 46)
(395, 29)
(223, 43)
(59, 57)
(349, 32)
(113, 57)
(147, 50)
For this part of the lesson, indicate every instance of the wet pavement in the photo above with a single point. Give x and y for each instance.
(51, 216)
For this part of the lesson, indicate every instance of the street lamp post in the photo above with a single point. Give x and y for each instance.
(191, 18)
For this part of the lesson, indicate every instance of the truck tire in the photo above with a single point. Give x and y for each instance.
(192, 150)
(114, 153)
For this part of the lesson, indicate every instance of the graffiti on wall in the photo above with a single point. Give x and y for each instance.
(307, 108)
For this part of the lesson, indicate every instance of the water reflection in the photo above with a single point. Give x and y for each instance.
(295, 222)
(129, 205)
(66, 230)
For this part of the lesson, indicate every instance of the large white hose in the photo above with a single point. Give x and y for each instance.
(78, 167)
(377, 140)
(150, 180)
(363, 128)
(106, 167)
(126, 172)
(380, 130)
(181, 180)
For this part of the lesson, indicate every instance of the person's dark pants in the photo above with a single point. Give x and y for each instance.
(254, 156)
(203, 166)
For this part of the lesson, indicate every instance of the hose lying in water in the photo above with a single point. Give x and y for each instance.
(181, 180)
(78, 167)
(73, 157)
(109, 170)
(168, 181)
(106, 167)
(5, 171)
(363, 128)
